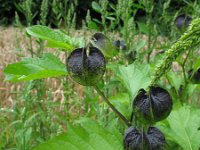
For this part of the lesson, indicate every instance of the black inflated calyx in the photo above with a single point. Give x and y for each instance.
(141, 105)
(153, 139)
(154, 106)
(86, 68)
(161, 103)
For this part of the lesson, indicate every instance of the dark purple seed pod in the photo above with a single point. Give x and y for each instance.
(161, 103)
(182, 21)
(141, 106)
(86, 69)
(133, 139)
(155, 139)
(136, 140)
(154, 106)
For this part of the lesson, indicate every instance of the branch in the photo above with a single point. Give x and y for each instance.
(112, 107)
(187, 41)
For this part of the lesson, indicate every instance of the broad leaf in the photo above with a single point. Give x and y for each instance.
(182, 127)
(139, 45)
(134, 77)
(122, 102)
(196, 65)
(92, 25)
(143, 27)
(174, 79)
(96, 7)
(102, 42)
(35, 68)
(87, 136)
(55, 38)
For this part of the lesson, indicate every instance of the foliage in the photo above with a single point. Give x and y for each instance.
(187, 41)
(142, 32)
(134, 77)
(182, 127)
(35, 68)
(122, 102)
(88, 135)
(55, 38)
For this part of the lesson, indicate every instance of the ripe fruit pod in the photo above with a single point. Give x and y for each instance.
(136, 140)
(182, 21)
(86, 69)
(154, 106)
(155, 139)
(133, 139)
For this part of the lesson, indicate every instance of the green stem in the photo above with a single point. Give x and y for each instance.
(107, 94)
(66, 95)
(31, 46)
(187, 41)
(149, 37)
(122, 117)
(183, 66)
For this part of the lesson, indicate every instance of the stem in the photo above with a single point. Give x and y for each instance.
(107, 94)
(183, 66)
(187, 41)
(112, 107)
(184, 73)
(31, 46)
(66, 88)
(149, 37)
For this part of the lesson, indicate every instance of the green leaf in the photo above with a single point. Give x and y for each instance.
(55, 38)
(143, 27)
(96, 7)
(87, 136)
(174, 79)
(182, 127)
(134, 77)
(196, 65)
(35, 68)
(93, 25)
(139, 45)
(102, 42)
(122, 102)
(190, 89)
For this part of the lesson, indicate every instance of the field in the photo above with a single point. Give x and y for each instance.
(99, 75)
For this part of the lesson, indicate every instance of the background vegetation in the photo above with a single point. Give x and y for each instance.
(36, 111)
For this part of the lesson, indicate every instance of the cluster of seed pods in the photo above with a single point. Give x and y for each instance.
(87, 65)
(153, 106)
(149, 107)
